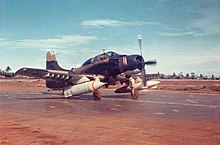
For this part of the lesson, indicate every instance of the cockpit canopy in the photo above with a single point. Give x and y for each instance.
(101, 57)
(111, 54)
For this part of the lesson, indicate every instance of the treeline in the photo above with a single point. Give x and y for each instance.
(189, 76)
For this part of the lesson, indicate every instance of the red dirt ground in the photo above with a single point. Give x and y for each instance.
(20, 127)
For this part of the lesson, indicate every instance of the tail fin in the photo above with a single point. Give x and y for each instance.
(51, 61)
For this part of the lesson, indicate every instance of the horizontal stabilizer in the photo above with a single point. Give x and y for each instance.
(7, 74)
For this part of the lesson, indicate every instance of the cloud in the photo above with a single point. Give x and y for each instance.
(199, 27)
(100, 23)
(209, 23)
(172, 31)
(180, 33)
(206, 22)
(50, 43)
(162, 1)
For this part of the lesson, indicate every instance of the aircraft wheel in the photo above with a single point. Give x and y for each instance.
(97, 95)
(134, 93)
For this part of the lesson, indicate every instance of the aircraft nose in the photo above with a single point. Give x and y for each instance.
(133, 62)
(139, 61)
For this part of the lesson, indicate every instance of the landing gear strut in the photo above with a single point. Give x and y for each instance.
(134, 93)
(97, 95)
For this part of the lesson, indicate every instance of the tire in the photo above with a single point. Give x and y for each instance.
(97, 95)
(134, 94)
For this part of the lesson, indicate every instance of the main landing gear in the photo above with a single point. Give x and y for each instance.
(97, 95)
(134, 93)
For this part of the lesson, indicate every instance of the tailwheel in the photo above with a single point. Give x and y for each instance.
(134, 93)
(97, 95)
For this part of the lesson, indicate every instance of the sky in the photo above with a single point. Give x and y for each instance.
(182, 35)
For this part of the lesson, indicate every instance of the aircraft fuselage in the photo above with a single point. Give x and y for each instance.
(110, 64)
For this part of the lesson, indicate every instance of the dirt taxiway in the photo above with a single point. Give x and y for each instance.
(31, 115)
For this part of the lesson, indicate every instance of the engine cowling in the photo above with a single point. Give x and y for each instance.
(130, 62)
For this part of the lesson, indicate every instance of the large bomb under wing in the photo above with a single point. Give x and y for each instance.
(86, 87)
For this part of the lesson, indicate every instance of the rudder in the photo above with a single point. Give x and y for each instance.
(52, 64)
(51, 61)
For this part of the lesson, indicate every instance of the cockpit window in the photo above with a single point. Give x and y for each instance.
(101, 57)
(110, 54)
(88, 61)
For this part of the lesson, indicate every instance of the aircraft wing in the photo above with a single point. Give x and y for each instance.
(135, 73)
(58, 75)
(149, 76)
(42, 73)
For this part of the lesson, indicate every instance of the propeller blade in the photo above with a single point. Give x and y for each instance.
(143, 71)
(139, 37)
(151, 62)
(143, 75)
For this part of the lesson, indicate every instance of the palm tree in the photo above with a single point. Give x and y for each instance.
(212, 77)
(201, 76)
(187, 75)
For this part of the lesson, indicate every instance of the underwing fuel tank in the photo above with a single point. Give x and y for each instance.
(83, 88)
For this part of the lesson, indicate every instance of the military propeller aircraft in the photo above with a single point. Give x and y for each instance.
(102, 70)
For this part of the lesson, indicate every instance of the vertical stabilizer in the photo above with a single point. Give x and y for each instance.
(51, 61)
(52, 64)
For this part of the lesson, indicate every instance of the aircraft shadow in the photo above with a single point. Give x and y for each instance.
(55, 98)
(51, 93)
(58, 96)
(116, 96)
